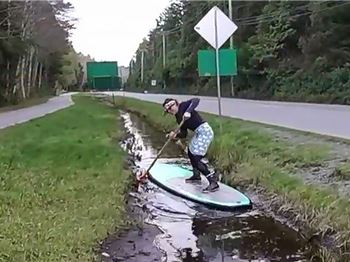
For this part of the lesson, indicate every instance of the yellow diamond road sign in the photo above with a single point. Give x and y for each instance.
(206, 27)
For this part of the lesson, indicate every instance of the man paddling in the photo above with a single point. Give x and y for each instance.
(200, 142)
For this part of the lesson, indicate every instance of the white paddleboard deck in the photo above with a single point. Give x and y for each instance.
(172, 177)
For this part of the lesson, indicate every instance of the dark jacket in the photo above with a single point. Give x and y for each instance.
(193, 122)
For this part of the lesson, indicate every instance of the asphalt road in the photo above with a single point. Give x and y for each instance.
(331, 120)
(25, 114)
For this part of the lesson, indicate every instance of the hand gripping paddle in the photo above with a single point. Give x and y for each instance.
(144, 174)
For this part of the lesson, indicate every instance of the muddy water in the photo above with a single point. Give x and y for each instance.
(191, 232)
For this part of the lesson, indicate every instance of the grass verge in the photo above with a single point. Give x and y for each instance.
(251, 156)
(26, 103)
(63, 185)
(343, 171)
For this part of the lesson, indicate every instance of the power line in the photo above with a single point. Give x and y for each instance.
(243, 21)
(262, 16)
(255, 20)
(292, 16)
(179, 27)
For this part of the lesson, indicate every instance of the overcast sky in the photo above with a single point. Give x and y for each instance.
(113, 29)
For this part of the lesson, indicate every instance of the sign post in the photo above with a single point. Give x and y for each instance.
(215, 27)
(217, 61)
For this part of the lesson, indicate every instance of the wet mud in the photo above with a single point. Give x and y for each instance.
(135, 243)
(169, 228)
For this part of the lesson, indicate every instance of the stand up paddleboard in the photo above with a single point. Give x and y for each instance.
(172, 177)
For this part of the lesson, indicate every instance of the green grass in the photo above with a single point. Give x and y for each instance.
(246, 153)
(62, 184)
(343, 171)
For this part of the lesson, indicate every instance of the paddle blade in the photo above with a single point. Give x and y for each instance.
(142, 176)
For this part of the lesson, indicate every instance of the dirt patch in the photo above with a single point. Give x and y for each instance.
(332, 171)
(134, 244)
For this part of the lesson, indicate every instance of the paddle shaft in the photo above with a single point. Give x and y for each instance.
(166, 143)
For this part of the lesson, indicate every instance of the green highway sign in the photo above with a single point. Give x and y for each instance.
(227, 62)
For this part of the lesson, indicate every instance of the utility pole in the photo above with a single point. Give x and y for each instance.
(133, 62)
(164, 56)
(231, 44)
(142, 57)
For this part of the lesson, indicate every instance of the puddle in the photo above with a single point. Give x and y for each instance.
(191, 232)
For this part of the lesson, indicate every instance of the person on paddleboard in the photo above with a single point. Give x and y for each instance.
(200, 142)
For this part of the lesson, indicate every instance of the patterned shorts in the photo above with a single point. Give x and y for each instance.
(201, 140)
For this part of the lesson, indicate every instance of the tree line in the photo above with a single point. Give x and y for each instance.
(287, 50)
(36, 56)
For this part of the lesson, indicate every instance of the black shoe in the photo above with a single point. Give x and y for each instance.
(195, 178)
(213, 184)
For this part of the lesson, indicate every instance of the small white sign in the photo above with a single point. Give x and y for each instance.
(154, 82)
(206, 27)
